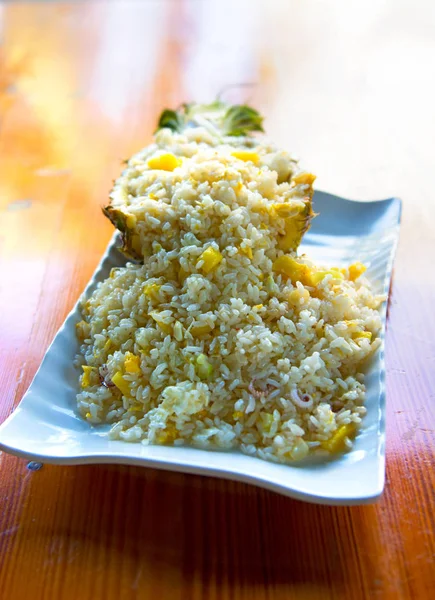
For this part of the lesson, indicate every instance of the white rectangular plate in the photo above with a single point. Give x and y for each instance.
(45, 426)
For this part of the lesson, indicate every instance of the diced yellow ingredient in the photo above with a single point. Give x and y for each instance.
(295, 297)
(317, 276)
(307, 178)
(261, 277)
(258, 306)
(164, 162)
(211, 258)
(83, 330)
(362, 334)
(107, 346)
(165, 327)
(198, 330)
(356, 270)
(168, 435)
(131, 221)
(88, 415)
(238, 187)
(204, 368)
(152, 291)
(246, 155)
(131, 363)
(238, 414)
(86, 377)
(267, 420)
(247, 251)
(292, 269)
(152, 196)
(122, 385)
(336, 442)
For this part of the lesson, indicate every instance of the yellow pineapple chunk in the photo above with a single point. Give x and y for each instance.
(131, 363)
(164, 162)
(336, 443)
(356, 270)
(122, 385)
(86, 377)
(152, 291)
(292, 269)
(156, 316)
(306, 178)
(247, 251)
(362, 334)
(211, 258)
(168, 435)
(246, 155)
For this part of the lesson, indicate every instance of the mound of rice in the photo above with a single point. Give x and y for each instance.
(221, 339)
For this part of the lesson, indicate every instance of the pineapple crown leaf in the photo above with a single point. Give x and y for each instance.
(231, 120)
(170, 119)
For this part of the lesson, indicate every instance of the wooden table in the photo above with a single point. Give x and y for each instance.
(348, 85)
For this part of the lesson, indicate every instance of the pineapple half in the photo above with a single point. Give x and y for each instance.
(205, 158)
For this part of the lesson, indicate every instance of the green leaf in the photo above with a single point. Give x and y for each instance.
(240, 119)
(170, 119)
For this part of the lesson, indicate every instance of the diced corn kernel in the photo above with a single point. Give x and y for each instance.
(362, 334)
(356, 270)
(152, 291)
(86, 377)
(246, 155)
(247, 251)
(131, 363)
(156, 316)
(238, 414)
(258, 306)
(164, 162)
(122, 385)
(300, 450)
(211, 258)
(307, 178)
(336, 442)
(204, 368)
(198, 330)
(88, 415)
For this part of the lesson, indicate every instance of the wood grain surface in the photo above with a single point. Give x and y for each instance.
(347, 85)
